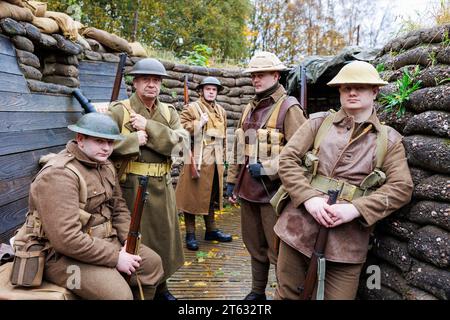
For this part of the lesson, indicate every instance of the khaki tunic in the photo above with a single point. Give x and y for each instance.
(344, 160)
(193, 195)
(54, 194)
(159, 225)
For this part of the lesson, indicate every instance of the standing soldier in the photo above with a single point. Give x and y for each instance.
(206, 121)
(152, 131)
(354, 153)
(268, 121)
(76, 205)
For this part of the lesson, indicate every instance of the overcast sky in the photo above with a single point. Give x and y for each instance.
(414, 9)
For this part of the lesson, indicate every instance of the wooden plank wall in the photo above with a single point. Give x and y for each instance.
(33, 124)
(97, 80)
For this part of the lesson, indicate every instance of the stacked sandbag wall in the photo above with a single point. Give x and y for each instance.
(412, 246)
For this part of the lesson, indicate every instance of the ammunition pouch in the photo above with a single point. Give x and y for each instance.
(279, 200)
(375, 179)
(311, 163)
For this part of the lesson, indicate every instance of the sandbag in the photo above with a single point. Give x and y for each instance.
(16, 2)
(37, 8)
(67, 25)
(82, 41)
(8, 10)
(107, 39)
(45, 25)
(47, 291)
(138, 50)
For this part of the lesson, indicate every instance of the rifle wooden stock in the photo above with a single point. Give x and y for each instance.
(319, 250)
(192, 167)
(186, 90)
(119, 75)
(133, 233)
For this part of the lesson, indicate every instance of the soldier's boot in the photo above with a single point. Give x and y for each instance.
(191, 243)
(163, 293)
(218, 236)
(255, 296)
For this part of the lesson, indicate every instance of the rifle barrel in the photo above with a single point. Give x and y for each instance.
(119, 75)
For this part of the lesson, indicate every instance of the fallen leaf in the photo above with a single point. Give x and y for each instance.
(187, 263)
(200, 284)
(201, 260)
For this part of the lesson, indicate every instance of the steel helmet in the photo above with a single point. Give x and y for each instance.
(264, 61)
(357, 72)
(212, 81)
(98, 125)
(148, 66)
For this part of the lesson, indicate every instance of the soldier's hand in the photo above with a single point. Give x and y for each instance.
(317, 207)
(142, 137)
(127, 263)
(203, 119)
(342, 213)
(138, 122)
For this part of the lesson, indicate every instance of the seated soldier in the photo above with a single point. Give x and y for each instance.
(93, 243)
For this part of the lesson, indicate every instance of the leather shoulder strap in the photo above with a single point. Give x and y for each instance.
(285, 106)
(323, 130)
(382, 146)
(245, 113)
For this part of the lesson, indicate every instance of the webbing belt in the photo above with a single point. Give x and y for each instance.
(347, 191)
(148, 169)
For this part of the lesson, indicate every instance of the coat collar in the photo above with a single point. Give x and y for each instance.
(373, 119)
(280, 92)
(141, 108)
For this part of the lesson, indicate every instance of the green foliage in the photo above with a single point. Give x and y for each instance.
(446, 40)
(200, 56)
(432, 57)
(161, 24)
(380, 67)
(444, 81)
(396, 101)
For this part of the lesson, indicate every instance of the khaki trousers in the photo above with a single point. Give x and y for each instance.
(341, 279)
(104, 283)
(257, 222)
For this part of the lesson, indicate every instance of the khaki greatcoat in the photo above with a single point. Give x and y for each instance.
(55, 195)
(160, 228)
(193, 195)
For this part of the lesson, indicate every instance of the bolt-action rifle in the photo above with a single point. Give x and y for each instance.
(134, 237)
(316, 268)
(119, 76)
